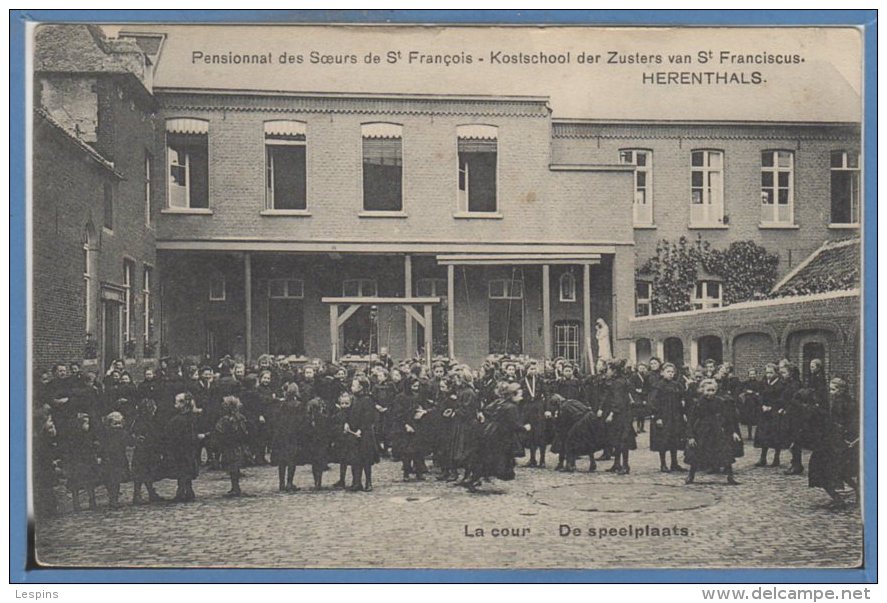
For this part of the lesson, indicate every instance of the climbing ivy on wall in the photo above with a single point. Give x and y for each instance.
(747, 269)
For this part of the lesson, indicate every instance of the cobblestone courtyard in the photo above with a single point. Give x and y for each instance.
(770, 520)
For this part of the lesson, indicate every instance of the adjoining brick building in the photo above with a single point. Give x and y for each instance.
(95, 283)
(329, 224)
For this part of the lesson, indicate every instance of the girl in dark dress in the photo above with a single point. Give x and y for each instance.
(284, 435)
(569, 387)
(750, 401)
(500, 437)
(792, 416)
(466, 429)
(115, 464)
(443, 424)
(342, 442)
(182, 443)
(712, 433)
(232, 437)
(408, 414)
(383, 392)
(533, 412)
(147, 456)
(668, 420)
(363, 450)
(314, 446)
(79, 450)
(831, 431)
(617, 410)
(769, 433)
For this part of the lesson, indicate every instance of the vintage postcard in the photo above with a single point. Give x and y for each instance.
(440, 296)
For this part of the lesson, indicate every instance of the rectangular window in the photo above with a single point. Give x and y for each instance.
(845, 187)
(643, 183)
(478, 160)
(567, 286)
(108, 191)
(148, 160)
(506, 316)
(217, 288)
(566, 340)
(706, 188)
(188, 164)
(777, 187)
(382, 167)
(707, 294)
(285, 167)
(286, 288)
(148, 317)
(360, 287)
(642, 296)
(129, 269)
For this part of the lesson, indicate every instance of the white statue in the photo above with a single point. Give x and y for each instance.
(602, 334)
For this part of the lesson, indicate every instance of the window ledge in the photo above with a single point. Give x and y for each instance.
(187, 211)
(645, 227)
(477, 215)
(285, 212)
(853, 226)
(708, 227)
(778, 226)
(382, 214)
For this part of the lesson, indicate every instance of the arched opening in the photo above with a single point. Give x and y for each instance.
(710, 348)
(643, 350)
(674, 351)
(812, 350)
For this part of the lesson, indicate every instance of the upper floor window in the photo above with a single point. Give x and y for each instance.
(217, 290)
(148, 175)
(707, 294)
(567, 287)
(360, 287)
(187, 152)
(286, 288)
(777, 187)
(706, 188)
(148, 316)
(845, 187)
(643, 296)
(285, 171)
(382, 167)
(90, 280)
(643, 183)
(108, 191)
(478, 159)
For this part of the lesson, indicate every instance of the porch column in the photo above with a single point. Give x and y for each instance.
(428, 334)
(408, 292)
(334, 332)
(546, 311)
(248, 297)
(451, 311)
(586, 314)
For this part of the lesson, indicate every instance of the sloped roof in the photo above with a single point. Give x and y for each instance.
(68, 48)
(833, 267)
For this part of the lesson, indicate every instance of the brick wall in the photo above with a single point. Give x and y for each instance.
(742, 145)
(536, 204)
(68, 195)
(755, 333)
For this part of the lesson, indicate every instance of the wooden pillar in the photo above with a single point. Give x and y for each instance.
(248, 303)
(428, 336)
(334, 333)
(408, 292)
(586, 315)
(451, 311)
(546, 311)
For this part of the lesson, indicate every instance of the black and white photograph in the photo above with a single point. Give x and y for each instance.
(445, 296)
